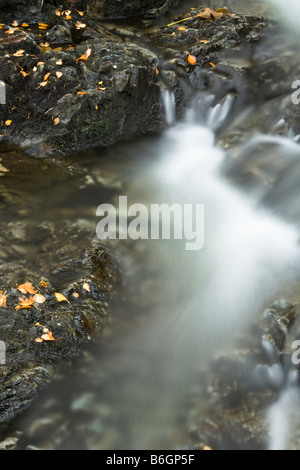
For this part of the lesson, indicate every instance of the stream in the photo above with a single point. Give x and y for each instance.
(131, 391)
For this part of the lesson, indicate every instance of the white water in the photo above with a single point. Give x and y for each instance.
(249, 257)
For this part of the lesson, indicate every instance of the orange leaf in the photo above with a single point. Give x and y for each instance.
(38, 340)
(48, 336)
(61, 297)
(3, 298)
(8, 122)
(27, 288)
(86, 55)
(46, 76)
(76, 295)
(25, 303)
(192, 59)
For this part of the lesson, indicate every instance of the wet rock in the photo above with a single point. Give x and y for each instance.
(85, 273)
(129, 8)
(111, 95)
(236, 392)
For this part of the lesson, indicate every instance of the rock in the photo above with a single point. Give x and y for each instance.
(238, 388)
(129, 8)
(68, 261)
(112, 95)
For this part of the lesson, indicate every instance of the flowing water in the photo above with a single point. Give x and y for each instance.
(133, 389)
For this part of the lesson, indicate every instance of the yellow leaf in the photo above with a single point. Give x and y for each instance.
(43, 284)
(76, 295)
(80, 13)
(207, 448)
(25, 25)
(61, 297)
(39, 340)
(56, 121)
(59, 62)
(3, 170)
(58, 74)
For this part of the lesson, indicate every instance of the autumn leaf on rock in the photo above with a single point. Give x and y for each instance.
(86, 287)
(85, 56)
(19, 53)
(61, 297)
(192, 59)
(25, 303)
(39, 299)
(27, 288)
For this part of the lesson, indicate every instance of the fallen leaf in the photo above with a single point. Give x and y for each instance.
(19, 53)
(86, 287)
(68, 17)
(24, 73)
(25, 25)
(48, 337)
(57, 12)
(3, 298)
(3, 169)
(8, 122)
(58, 74)
(10, 31)
(56, 121)
(76, 295)
(25, 303)
(212, 64)
(43, 284)
(80, 25)
(39, 299)
(82, 93)
(206, 14)
(27, 288)
(207, 448)
(40, 63)
(59, 62)
(46, 76)
(80, 13)
(181, 28)
(39, 340)
(61, 297)
(37, 324)
(192, 59)
(43, 25)
(85, 56)
(15, 24)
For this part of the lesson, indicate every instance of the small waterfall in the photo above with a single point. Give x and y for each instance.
(169, 106)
